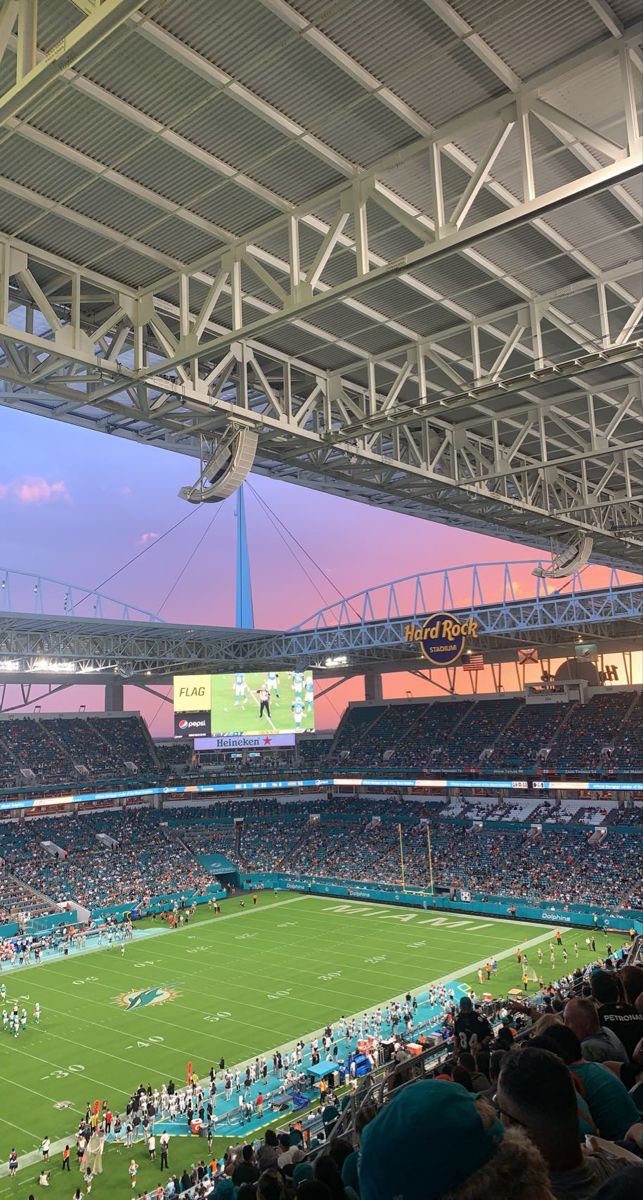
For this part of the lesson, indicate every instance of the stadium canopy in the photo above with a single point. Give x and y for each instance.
(398, 244)
(86, 649)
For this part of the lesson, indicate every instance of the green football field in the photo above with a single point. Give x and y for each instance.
(243, 717)
(236, 985)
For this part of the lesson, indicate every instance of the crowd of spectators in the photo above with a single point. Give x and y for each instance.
(414, 737)
(18, 903)
(122, 855)
(606, 734)
(54, 750)
(537, 1101)
(545, 1107)
(139, 858)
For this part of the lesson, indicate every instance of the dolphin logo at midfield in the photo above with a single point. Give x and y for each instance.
(144, 997)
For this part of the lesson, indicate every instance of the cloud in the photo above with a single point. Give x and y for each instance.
(146, 538)
(33, 489)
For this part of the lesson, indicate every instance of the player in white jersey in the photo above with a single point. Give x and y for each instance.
(3, 992)
(23, 1018)
(309, 687)
(5, 1020)
(298, 711)
(239, 689)
(272, 680)
(298, 684)
(36, 1013)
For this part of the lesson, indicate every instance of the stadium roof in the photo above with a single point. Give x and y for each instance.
(398, 241)
(71, 649)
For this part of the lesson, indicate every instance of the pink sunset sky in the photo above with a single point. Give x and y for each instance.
(76, 505)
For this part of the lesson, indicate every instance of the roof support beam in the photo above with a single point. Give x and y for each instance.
(8, 14)
(475, 43)
(443, 243)
(35, 78)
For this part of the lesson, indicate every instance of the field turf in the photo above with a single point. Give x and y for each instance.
(228, 717)
(240, 984)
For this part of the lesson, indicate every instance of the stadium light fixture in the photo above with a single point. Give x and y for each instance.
(340, 660)
(48, 664)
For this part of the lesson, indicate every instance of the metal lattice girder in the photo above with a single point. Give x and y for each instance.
(21, 591)
(524, 420)
(518, 452)
(35, 74)
(133, 649)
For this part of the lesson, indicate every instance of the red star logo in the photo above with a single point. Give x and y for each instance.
(266, 740)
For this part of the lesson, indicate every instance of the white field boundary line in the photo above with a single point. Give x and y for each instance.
(503, 954)
(145, 935)
(33, 1156)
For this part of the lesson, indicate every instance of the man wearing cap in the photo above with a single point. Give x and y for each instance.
(435, 1140)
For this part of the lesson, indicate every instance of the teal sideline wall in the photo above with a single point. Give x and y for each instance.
(555, 914)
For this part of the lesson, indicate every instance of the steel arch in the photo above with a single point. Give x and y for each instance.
(465, 587)
(21, 588)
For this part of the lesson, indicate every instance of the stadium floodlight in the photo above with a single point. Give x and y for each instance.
(568, 560)
(10, 664)
(224, 465)
(48, 664)
(339, 661)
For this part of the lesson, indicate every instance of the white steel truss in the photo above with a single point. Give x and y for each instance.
(133, 649)
(524, 419)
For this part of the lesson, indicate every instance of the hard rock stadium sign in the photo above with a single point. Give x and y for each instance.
(442, 637)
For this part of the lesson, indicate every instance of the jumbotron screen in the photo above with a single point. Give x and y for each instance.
(254, 703)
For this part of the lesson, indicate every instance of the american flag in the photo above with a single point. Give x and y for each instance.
(475, 662)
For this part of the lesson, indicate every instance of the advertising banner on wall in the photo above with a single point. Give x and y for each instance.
(192, 724)
(246, 741)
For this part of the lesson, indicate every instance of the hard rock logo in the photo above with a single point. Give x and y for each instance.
(442, 637)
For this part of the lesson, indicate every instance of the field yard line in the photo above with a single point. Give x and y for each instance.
(188, 1008)
(145, 935)
(543, 937)
(81, 1075)
(33, 1156)
(107, 1053)
(225, 958)
(159, 1021)
(20, 1128)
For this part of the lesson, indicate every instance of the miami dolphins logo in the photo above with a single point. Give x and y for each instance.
(143, 998)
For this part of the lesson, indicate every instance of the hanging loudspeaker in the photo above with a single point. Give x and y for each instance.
(226, 468)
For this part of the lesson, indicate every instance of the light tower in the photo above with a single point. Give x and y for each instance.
(244, 614)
